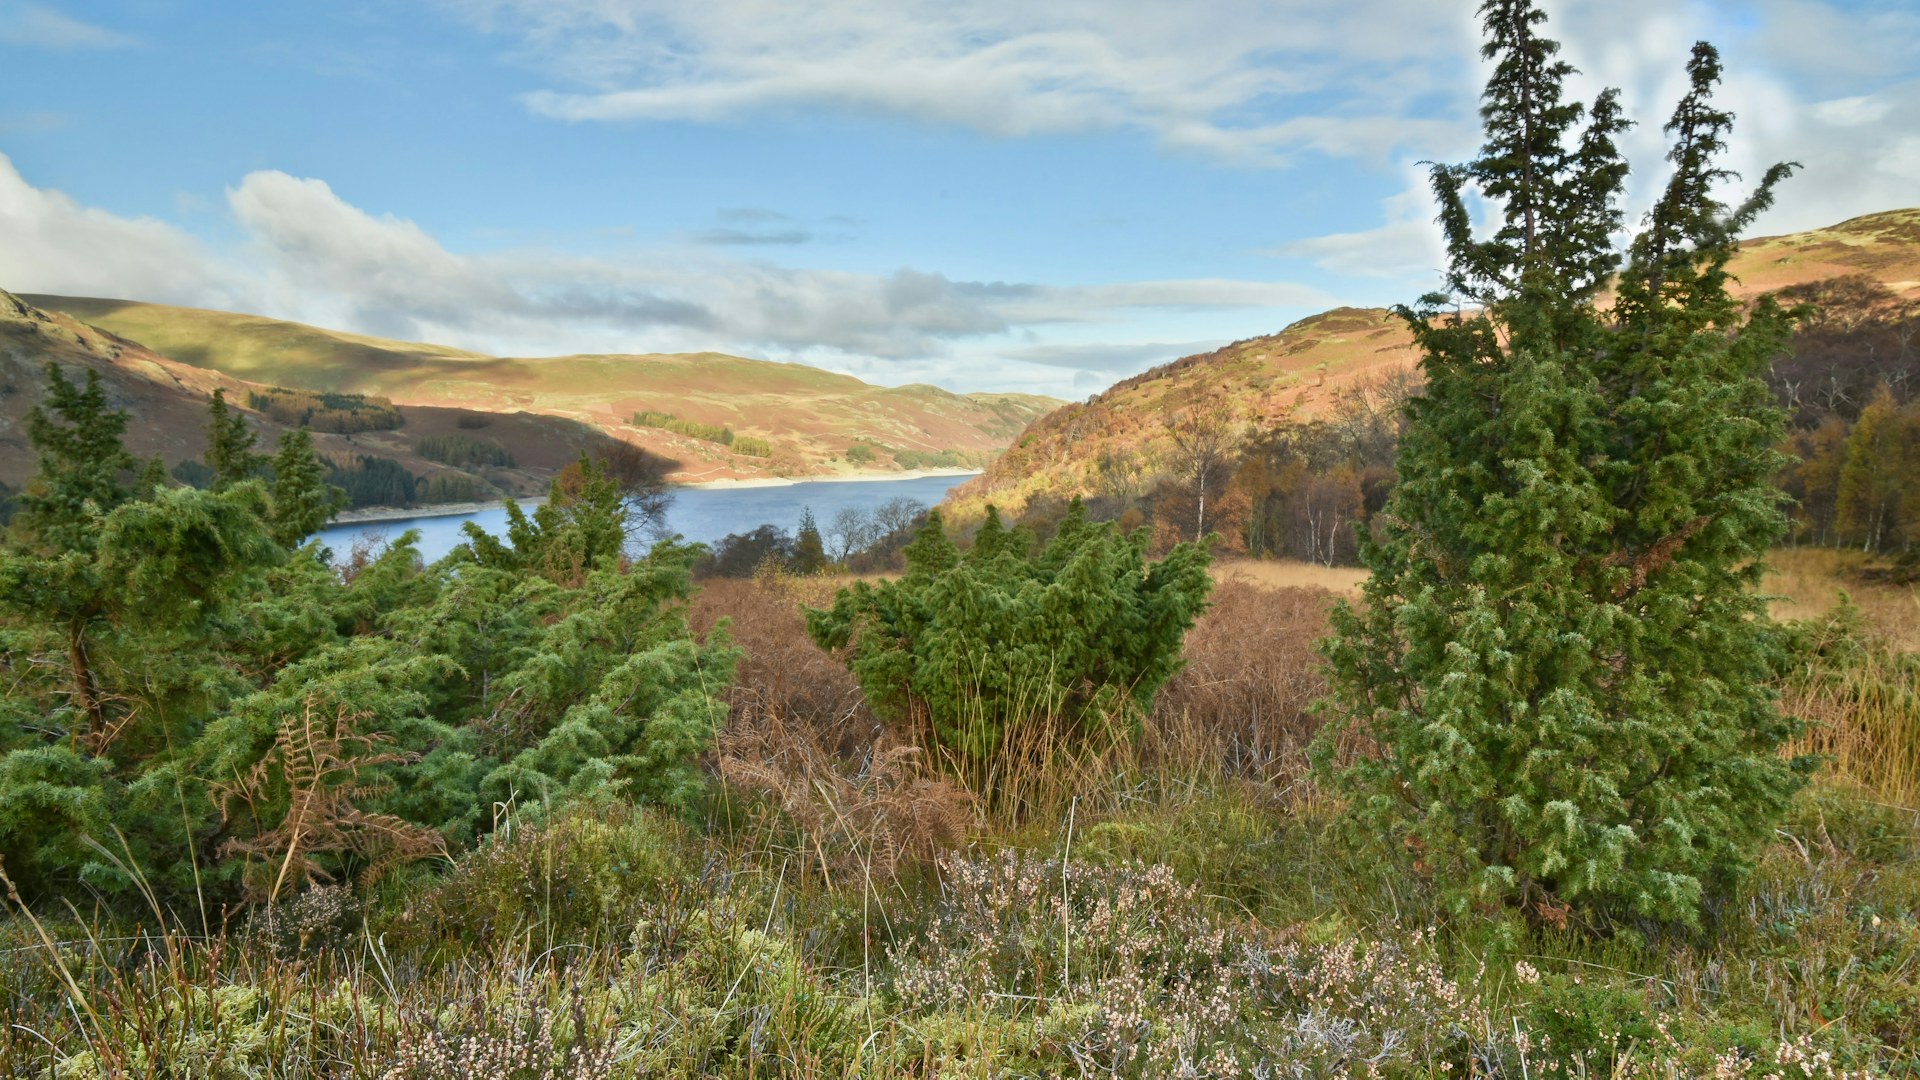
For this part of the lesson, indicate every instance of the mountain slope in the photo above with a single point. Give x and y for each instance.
(808, 416)
(1305, 370)
(168, 400)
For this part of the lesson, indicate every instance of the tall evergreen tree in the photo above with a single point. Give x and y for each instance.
(1562, 657)
(229, 444)
(83, 463)
(303, 500)
(809, 550)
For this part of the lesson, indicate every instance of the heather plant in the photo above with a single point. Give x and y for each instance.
(983, 652)
(1562, 658)
(1125, 971)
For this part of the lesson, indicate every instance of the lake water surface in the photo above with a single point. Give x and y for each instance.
(699, 514)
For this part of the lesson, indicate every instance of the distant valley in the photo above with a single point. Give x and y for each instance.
(467, 424)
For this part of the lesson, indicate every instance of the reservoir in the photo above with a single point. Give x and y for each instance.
(696, 513)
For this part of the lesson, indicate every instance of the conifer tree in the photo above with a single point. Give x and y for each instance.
(82, 463)
(1562, 658)
(229, 444)
(809, 550)
(303, 500)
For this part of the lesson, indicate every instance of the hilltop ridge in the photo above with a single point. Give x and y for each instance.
(1305, 370)
(801, 420)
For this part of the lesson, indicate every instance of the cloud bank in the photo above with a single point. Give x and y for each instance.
(1249, 82)
(311, 256)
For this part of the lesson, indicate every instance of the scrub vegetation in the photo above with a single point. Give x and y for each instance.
(1586, 775)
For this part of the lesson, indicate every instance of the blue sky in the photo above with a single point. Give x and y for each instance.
(990, 195)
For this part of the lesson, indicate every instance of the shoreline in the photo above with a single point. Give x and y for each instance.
(374, 515)
(837, 478)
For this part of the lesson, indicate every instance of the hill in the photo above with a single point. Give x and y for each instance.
(785, 419)
(168, 400)
(1348, 359)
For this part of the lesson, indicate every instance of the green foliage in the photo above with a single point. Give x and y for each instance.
(83, 464)
(581, 527)
(752, 446)
(450, 488)
(230, 442)
(714, 433)
(1875, 502)
(192, 472)
(860, 454)
(935, 459)
(1562, 656)
(330, 411)
(1076, 636)
(809, 550)
(463, 451)
(303, 500)
(371, 480)
(187, 695)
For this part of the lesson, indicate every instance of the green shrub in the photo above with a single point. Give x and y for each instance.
(1586, 1026)
(1008, 643)
(752, 446)
(579, 874)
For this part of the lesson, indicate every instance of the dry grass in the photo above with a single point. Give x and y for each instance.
(1291, 574)
(1241, 704)
(785, 679)
(865, 820)
(1858, 685)
(1809, 582)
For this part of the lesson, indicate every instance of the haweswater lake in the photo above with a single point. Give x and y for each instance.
(698, 514)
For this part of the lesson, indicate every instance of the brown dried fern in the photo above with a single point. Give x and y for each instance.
(868, 818)
(319, 758)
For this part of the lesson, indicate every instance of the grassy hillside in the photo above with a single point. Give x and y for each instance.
(168, 400)
(1306, 370)
(808, 417)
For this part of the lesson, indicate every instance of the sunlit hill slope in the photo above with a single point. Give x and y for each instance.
(1302, 371)
(805, 419)
(168, 402)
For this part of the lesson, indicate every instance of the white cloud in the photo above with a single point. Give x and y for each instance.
(54, 244)
(1408, 245)
(1837, 91)
(1203, 76)
(311, 256)
(44, 28)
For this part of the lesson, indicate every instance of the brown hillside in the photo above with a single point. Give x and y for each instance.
(1303, 370)
(810, 417)
(168, 401)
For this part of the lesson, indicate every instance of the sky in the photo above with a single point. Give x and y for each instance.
(980, 194)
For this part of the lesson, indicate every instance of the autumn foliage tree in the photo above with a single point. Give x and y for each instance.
(1562, 657)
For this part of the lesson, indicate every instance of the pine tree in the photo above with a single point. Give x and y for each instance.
(82, 463)
(303, 500)
(809, 550)
(229, 444)
(1562, 657)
